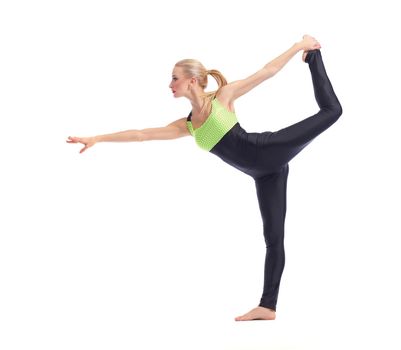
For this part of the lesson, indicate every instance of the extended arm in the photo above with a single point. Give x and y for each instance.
(238, 88)
(172, 131)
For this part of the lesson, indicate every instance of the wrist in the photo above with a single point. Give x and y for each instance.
(97, 138)
(298, 46)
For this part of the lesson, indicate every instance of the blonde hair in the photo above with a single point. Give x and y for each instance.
(193, 68)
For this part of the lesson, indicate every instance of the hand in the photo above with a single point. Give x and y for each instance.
(309, 43)
(87, 141)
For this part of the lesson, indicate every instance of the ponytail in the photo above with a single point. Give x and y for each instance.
(221, 81)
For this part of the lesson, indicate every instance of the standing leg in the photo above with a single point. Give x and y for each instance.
(271, 192)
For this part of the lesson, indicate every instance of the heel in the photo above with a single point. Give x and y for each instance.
(310, 54)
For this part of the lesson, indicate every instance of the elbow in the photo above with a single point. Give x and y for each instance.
(271, 70)
(141, 136)
(274, 70)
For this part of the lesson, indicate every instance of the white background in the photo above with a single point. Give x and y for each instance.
(159, 244)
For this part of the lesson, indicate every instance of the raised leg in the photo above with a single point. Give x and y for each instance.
(291, 140)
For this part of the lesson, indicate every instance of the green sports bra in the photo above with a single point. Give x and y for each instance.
(218, 123)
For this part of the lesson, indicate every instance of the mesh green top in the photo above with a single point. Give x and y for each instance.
(218, 123)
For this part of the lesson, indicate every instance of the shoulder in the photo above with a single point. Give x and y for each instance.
(179, 123)
(225, 97)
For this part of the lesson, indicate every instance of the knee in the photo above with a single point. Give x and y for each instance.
(275, 243)
(333, 112)
(338, 110)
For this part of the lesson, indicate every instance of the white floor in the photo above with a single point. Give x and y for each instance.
(168, 332)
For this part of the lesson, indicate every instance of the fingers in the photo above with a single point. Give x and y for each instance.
(87, 145)
(73, 139)
(86, 141)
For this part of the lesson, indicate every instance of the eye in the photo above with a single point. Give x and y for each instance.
(175, 79)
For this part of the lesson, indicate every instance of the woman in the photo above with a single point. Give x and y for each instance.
(264, 156)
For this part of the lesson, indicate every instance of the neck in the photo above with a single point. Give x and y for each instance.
(196, 99)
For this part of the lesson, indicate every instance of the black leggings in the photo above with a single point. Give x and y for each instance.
(265, 157)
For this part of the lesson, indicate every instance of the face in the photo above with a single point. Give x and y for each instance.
(179, 83)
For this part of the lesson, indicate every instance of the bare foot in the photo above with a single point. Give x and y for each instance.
(258, 313)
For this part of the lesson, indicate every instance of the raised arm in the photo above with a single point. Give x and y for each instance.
(172, 131)
(238, 88)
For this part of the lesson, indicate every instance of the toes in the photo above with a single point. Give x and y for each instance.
(257, 314)
(242, 318)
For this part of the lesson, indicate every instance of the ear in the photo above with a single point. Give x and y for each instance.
(192, 82)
